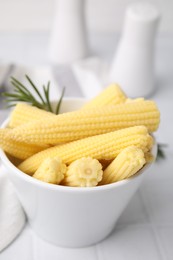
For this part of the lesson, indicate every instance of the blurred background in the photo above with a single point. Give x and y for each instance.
(21, 19)
(101, 15)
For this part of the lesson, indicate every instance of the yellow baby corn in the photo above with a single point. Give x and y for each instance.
(128, 162)
(24, 113)
(88, 122)
(17, 149)
(112, 95)
(105, 146)
(84, 172)
(51, 170)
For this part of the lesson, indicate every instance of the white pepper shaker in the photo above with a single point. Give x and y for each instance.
(133, 64)
(68, 37)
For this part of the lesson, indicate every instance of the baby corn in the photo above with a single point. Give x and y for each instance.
(105, 146)
(23, 113)
(51, 170)
(112, 95)
(128, 162)
(19, 150)
(84, 172)
(88, 122)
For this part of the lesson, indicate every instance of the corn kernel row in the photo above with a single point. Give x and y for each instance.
(105, 146)
(24, 113)
(17, 149)
(84, 123)
(112, 95)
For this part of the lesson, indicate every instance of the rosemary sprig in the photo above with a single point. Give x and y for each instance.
(21, 93)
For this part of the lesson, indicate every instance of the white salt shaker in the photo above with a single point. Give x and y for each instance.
(133, 64)
(68, 37)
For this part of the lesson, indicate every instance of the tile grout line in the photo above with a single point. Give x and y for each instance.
(154, 231)
(31, 256)
(34, 246)
(98, 252)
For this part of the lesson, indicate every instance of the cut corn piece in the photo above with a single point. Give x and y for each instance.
(88, 122)
(23, 113)
(52, 170)
(84, 172)
(112, 95)
(17, 149)
(105, 146)
(128, 162)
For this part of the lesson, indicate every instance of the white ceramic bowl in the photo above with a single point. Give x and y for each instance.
(68, 216)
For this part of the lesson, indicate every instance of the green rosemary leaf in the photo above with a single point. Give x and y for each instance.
(16, 97)
(48, 94)
(17, 88)
(22, 90)
(22, 94)
(19, 85)
(35, 88)
(161, 152)
(11, 105)
(6, 94)
(46, 91)
(60, 101)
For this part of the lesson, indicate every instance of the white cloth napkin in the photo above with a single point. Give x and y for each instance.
(12, 217)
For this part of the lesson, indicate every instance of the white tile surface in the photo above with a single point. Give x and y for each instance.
(44, 251)
(158, 198)
(134, 212)
(20, 249)
(130, 242)
(166, 238)
(162, 170)
(28, 246)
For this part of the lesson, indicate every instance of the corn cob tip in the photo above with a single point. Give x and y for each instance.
(51, 170)
(84, 172)
(128, 162)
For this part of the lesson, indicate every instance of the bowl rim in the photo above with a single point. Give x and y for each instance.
(50, 186)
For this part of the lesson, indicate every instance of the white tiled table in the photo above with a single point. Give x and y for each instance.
(145, 229)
